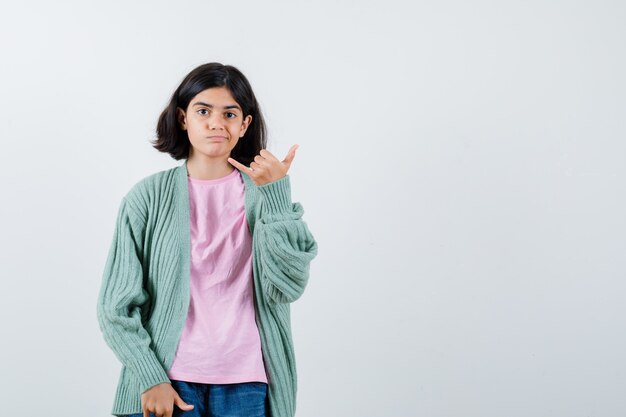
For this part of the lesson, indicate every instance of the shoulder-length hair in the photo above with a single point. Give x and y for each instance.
(172, 139)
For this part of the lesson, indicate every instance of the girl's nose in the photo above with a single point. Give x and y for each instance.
(215, 122)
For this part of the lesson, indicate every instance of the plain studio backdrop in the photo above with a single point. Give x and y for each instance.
(461, 165)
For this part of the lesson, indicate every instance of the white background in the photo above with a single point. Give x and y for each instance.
(461, 165)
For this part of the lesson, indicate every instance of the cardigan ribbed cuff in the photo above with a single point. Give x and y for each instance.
(277, 195)
(150, 371)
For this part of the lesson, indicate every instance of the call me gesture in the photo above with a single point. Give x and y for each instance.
(266, 167)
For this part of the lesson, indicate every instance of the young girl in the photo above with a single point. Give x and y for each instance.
(205, 260)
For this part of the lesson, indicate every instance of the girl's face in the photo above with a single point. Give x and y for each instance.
(214, 122)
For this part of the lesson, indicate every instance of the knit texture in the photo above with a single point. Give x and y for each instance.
(144, 296)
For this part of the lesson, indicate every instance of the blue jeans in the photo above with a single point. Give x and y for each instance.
(247, 399)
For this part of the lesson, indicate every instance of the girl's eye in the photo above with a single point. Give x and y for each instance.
(229, 115)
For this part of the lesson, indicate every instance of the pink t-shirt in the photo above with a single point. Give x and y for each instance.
(220, 343)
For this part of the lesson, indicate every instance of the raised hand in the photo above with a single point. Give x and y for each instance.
(266, 167)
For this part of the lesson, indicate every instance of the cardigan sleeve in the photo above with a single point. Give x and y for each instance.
(284, 243)
(121, 298)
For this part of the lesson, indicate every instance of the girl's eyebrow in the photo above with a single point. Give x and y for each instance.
(232, 106)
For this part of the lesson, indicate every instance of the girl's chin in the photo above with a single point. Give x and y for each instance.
(212, 152)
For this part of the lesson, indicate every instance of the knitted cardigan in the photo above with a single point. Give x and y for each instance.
(144, 296)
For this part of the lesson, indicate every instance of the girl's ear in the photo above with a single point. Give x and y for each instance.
(246, 123)
(180, 116)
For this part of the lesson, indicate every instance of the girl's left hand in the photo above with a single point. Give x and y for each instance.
(266, 167)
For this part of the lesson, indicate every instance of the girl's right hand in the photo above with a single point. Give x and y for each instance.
(160, 400)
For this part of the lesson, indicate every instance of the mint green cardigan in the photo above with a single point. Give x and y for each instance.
(144, 296)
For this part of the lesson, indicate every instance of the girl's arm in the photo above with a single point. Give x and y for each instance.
(121, 297)
(284, 244)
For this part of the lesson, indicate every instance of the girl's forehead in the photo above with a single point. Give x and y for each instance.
(215, 97)
(216, 92)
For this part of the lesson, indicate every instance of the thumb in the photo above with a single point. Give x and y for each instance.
(181, 404)
(291, 154)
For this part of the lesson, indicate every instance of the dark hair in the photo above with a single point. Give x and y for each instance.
(175, 141)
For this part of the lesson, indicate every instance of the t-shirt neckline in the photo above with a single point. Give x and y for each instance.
(215, 180)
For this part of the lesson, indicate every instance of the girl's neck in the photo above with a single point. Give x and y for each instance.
(209, 169)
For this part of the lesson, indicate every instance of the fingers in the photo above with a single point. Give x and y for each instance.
(180, 403)
(161, 400)
(238, 164)
(164, 412)
(159, 412)
(266, 167)
(264, 157)
(267, 154)
(264, 161)
(291, 154)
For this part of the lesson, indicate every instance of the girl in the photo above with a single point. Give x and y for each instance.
(205, 260)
